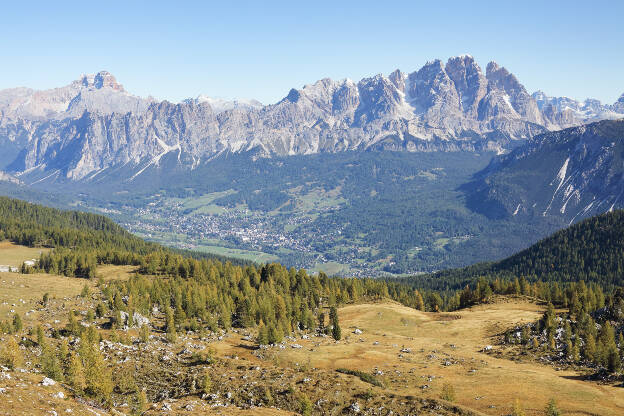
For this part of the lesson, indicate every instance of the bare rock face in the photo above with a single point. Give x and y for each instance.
(470, 83)
(92, 125)
(618, 107)
(507, 96)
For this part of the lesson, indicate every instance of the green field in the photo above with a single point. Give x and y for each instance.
(255, 256)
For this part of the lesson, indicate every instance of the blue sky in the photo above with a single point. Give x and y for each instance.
(262, 49)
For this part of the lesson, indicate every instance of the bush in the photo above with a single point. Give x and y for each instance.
(368, 378)
(144, 334)
(448, 392)
(305, 405)
(17, 323)
(551, 409)
(205, 383)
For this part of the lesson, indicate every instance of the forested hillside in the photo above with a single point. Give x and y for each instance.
(591, 250)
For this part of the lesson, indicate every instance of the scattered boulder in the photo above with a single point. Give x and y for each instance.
(48, 382)
(139, 320)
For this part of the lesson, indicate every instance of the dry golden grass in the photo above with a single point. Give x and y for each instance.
(22, 292)
(14, 255)
(112, 272)
(435, 339)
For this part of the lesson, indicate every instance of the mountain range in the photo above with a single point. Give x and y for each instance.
(94, 126)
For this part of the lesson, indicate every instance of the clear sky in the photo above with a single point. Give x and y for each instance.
(261, 49)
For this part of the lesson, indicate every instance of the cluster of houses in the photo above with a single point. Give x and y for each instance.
(6, 269)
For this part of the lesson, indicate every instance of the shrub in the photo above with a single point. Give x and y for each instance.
(366, 377)
(305, 405)
(448, 392)
(551, 409)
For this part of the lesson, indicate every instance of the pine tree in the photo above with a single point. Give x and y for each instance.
(51, 364)
(589, 352)
(10, 354)
(576, 350)
(140, 402)
(170, 325)
(73, 327)
(263, 335)
(549, 320)
(613, 359)
(275, 334)
(17, 323)
(40, 336)
(100, 310)
(448, 392)
(63, 355)
(305, 405)
(205, 382)
(144, 333)
(321, 322)
(90, 315)
(85, 291)
(98, 377)
(551, 409)
(75, 373)
(336, 331)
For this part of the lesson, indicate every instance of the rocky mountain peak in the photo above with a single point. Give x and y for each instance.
(105, 79)
(491, 67)
(501, 78)
(619, 104)
(398, 79)
(469, 82)
(101, 80)
(293, 96)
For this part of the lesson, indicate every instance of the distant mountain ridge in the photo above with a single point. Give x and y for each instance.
(572, 173)
(93, 125)
(94, 92)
